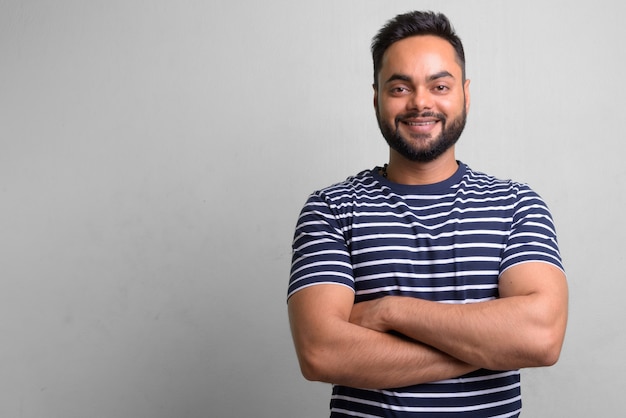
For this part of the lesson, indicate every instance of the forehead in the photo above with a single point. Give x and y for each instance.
(420, 55)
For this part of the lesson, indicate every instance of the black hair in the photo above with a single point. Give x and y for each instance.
(414, 24)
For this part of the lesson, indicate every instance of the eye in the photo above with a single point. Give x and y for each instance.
(441, 88)
(398, 90)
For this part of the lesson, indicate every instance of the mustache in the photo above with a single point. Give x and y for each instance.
(413, 115)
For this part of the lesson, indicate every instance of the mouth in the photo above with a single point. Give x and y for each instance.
(426, 123)
(420, 125)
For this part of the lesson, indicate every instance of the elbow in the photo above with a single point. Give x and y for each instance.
(540, 351)
(550, 360)
(548, 349)
(545, 344)
(308, 367)
(313, 366)
(550, 353)
(311, 373)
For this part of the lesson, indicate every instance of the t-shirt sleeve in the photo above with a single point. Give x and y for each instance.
(320, 249)
(533, 235)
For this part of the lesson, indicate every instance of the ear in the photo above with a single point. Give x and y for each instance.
(375, 97)
(466, 92)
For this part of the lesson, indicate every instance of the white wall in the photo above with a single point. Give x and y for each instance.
(154, 156)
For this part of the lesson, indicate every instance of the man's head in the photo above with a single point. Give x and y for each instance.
(421, 95)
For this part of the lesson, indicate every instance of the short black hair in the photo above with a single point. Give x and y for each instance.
(414, 24)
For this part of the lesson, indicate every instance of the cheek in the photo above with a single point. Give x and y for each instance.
(456, 104)
(453, 106)
(388, 110)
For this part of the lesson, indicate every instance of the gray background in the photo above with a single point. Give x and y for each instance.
(154, 156)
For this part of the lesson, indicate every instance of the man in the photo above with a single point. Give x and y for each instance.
(421, 287)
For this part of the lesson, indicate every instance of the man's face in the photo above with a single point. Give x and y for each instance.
(421, 101)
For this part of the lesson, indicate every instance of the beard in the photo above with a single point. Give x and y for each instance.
(450, 133)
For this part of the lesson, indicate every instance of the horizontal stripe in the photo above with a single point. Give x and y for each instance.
(458, 409)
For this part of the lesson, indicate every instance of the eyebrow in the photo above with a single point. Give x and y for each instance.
(432, 77)
(440, 74)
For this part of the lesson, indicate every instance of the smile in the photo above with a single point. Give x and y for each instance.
(420, 126)
(420, 123)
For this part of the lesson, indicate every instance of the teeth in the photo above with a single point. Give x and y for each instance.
(419, 123)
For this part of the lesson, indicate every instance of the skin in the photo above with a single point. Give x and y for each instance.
(343, 343)
(421, 74)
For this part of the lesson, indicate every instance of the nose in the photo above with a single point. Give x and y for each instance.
(421, 99)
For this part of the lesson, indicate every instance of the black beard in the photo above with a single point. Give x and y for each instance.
(447, 138)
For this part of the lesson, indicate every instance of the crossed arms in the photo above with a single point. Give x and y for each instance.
(350, 344)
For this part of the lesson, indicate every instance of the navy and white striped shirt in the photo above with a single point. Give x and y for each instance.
(447, 242)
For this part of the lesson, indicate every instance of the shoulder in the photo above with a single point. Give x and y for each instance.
(478, 181)
(359, 186)
(336, 203)
(479, 178)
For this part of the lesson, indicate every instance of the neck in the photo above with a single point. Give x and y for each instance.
(403, 171)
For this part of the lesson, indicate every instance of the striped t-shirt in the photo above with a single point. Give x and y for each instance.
(446, 242)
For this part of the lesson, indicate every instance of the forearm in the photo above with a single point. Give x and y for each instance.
(358, 357)
(495, 335)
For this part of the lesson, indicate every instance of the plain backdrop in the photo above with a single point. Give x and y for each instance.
(154, 156)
